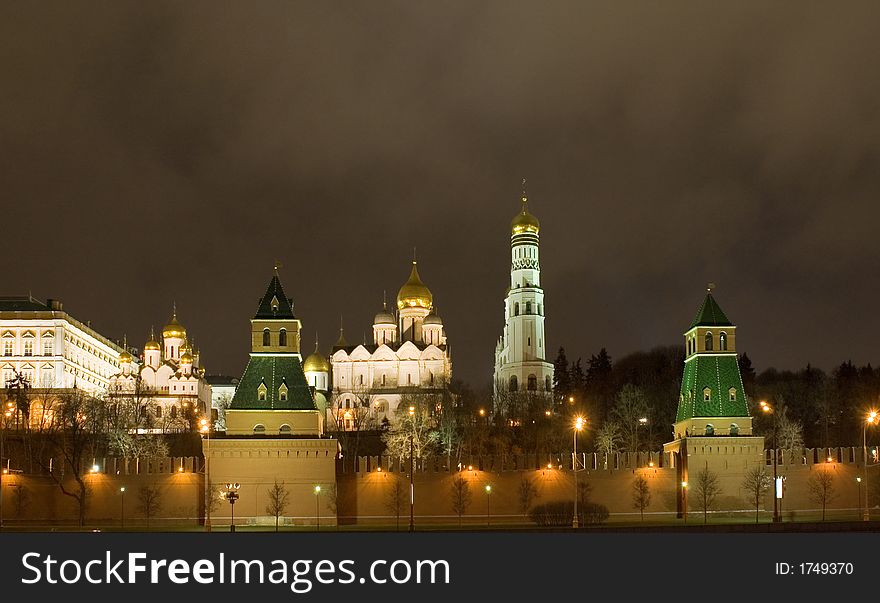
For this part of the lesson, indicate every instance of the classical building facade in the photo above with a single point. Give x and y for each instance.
(167, 381)
(408, 358)
(713, 426)
(52, 350)
(520, 355)
(274, 430)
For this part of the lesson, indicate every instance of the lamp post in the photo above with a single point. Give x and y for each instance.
(412, 430)
(767, 409)
(578, 426)
(488, 514)
(122, 506)
(4, 470)
(205, 429)
(232, 496)
(859, 480)
(684, 493)
(871, 419)
(318, 508)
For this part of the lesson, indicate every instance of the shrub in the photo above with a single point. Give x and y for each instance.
(561, 513)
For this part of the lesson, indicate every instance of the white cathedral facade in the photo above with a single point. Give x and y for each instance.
(371, 385)
(521, 353)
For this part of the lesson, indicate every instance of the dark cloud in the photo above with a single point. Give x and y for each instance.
(152, 152)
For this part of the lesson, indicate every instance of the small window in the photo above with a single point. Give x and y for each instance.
(282, 337)
(259, 428)
(731, 394)
(285, 429)
(539, 309)
(528, 307)
(710, 430)
(7, 347)
(282, 395)
(266, 340)
(261, 395)
(707, 395)
(722, 342)
(533, 383)
(516, 309)
(158, 412)
(174, 412)
(709, 341)
(383, 380)
(513, 385)
(28, 347)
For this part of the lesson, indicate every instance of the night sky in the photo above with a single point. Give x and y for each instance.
(158, 152)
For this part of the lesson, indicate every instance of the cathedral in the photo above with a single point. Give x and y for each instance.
(167, 381)
(520, 355)
(408, 358)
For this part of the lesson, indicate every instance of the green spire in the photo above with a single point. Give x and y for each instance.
(710, 314)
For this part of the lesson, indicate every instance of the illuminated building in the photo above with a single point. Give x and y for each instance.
(520, 355)
(408, 358)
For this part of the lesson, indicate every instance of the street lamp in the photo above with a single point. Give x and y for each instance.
(488, 514)
(122, 505)
(205, 430)
(777, 492)
(578, 426)
(412, 492)
(871, 419)
(6, 417)
(684, 492)
(859, 480)
(318, 507)
(232, 496)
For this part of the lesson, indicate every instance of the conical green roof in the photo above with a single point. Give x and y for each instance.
(274, 304)
(710, 314)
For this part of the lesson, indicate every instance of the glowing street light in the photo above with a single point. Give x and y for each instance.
(232, 496)
(122, 505)
(318, 507)
(872, 418)
(777, 495)
(488, 515)
(412, 491)
(578, 426)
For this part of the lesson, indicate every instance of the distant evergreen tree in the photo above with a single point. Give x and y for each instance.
(561, 377)
(599, 382)
(748, 374)
(578, 382)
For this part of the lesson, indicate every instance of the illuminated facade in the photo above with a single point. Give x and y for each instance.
(408, 357)
(520, 355)
(167, 381)
(53, 350)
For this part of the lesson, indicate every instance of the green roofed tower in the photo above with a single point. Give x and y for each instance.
(712, 400)
(273, 396)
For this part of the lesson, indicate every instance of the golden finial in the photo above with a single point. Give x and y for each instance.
(525, 197)
(278, 265)
(710, 287)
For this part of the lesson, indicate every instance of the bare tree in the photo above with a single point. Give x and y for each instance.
(460, 496)
(279, 498)
(349, 422)
(641, 495)
(395, 498)
(608, 440)
(416, 430)
(631, 405)
(527, 493)
(755, 484)
(149, 502)
(821, 489)
(707, 489)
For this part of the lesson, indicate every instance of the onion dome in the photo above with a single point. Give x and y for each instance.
(174, 328)
(414, 292)
(186, 358)
(124, 357)
(316, 363)
(432, 319)
(524, 221)
(152, 344)
(384, 317)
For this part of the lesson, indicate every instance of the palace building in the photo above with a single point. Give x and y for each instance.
(520, 355)
(408, 358)
(51, 350)
(167, 381)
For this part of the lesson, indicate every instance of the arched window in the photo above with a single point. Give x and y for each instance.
(513, 385)
(734, 429)
(707, 394)
(285, 429)
(731, 394)
(528, 307)
(259, 428)
(173, 412)
(282, 337)
(158, 412)
(383, 380)
(533, 383)
(709, 341)
(266, 338)
(710, 430)
(282, 395)
(722, 341)
(516, 309)
(261, 393)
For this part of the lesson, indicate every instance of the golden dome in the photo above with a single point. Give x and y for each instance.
(152, 345)
(414, 292)
(124, 357)
(174, 328)
(524, 221)
(316, 363)
(186, 358)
